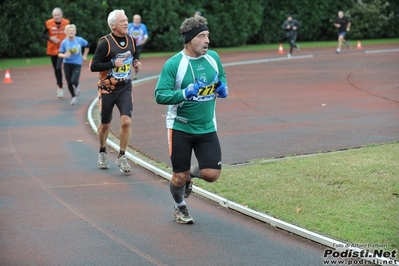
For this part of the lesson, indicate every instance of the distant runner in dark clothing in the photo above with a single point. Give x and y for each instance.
(291, 27)
(343, 25)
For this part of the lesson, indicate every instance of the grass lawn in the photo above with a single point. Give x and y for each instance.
(352, 195)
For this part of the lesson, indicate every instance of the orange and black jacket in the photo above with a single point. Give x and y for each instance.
(54, 29)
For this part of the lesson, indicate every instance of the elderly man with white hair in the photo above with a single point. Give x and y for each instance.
(114, 58)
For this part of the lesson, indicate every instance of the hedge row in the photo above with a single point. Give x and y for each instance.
(231, 22)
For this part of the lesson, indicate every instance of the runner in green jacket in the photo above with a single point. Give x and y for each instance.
(190, 82)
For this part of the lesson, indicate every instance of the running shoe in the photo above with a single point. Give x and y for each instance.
(289, 55)
(189, 189)
(182, 216)
(297, 48)
(123, 164)
(347, 44)
(338, 51)
(74, 100)
(60, 93)
(102, 160)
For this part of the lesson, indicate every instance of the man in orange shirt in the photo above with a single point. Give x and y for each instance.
(54, 33)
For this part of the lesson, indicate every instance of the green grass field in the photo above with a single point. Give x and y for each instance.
(352, 195)
(349, 195)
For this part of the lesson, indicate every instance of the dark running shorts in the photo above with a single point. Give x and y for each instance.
(206, 148)
(122, 100)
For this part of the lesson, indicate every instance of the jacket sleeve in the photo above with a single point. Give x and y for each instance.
(284, 25)
(45, 33)
(165, 92)
(167, 96)
(98, 63)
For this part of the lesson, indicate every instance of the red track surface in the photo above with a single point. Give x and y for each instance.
(328, 102)
(57, 208)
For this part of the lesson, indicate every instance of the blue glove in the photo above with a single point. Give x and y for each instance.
(191, 91)
(222, 90)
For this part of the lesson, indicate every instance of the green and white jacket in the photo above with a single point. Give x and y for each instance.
(196, 115)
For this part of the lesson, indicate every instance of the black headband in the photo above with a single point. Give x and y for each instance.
(188, 36)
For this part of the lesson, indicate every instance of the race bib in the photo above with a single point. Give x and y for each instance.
(123, 72)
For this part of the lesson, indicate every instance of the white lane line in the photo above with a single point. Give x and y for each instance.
(267, 60)
(381, 51)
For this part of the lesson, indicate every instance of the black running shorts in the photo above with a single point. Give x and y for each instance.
(123, 100)
(206, 148)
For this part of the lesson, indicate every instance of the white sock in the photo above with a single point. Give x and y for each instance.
(181, 204)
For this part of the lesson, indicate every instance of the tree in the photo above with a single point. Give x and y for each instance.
(369, 18)
(231, 22)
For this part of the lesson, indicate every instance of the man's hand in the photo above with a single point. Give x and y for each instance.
(54, 39)
(222, 90)
(119, 62)
(191, 91)
(137, 65)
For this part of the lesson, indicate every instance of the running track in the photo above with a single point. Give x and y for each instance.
(57, 208)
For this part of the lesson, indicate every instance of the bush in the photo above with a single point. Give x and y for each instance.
(231, 22)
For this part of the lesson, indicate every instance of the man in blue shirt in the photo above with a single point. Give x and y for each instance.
(139, 32)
